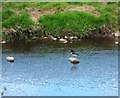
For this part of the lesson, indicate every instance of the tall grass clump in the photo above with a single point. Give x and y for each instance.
(23, 20)
(77, 22)
(7, 14)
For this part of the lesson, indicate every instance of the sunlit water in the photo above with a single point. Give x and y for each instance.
(43, 69)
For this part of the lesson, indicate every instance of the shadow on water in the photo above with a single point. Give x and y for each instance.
(100, 43)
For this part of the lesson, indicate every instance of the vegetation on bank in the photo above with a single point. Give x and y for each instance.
(10, 19)
(119, 15)
(76, 22)
(79, 23)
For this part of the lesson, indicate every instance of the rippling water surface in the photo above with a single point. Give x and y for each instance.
(42, 69)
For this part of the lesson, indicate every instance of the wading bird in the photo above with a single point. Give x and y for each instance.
(73, 53)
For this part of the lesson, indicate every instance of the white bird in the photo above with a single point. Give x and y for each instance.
(73, 60)
(10, 59)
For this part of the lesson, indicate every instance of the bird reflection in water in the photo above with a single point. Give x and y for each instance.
(74, 68)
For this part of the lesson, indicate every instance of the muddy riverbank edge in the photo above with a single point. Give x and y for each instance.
(31, 33)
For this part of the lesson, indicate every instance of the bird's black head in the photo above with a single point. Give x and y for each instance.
(71, 50)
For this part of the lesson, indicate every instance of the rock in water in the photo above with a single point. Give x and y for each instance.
(73, 60)
(3, 42)
(63, 40)
(10, 59)
(116, 42)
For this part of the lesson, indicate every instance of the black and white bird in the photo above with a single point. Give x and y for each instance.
(73, 53)
(72, 59)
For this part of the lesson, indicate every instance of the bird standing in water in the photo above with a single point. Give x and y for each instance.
(74, 60)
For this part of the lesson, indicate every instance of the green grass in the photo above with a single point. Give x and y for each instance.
(77, 22)
(7, 14)
(119, 14)
(16, 5)
(38, 5)
(23, 20)
(84, 3)
(14, 14)
(54, 5)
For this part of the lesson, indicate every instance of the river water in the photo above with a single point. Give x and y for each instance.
(41, 68)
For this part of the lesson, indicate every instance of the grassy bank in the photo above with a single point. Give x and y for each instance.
(25, 21)
(10, 19)
(76, 22)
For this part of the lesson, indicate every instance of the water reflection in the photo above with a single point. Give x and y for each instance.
(74, 68)
(85, 43)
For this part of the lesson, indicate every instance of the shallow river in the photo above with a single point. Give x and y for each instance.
(42, 68)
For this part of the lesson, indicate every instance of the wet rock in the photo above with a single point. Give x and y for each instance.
(116, 42)
(10, 59)
(3, 42)
(63, 40)
(117, 34)
(66, 37)
(53, 38)
(74, 60)
(71, 37)
(45, 37)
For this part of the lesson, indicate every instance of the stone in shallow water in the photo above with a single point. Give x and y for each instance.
(10, 59)
(74, 60)
(63, 40)
(3, 42)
